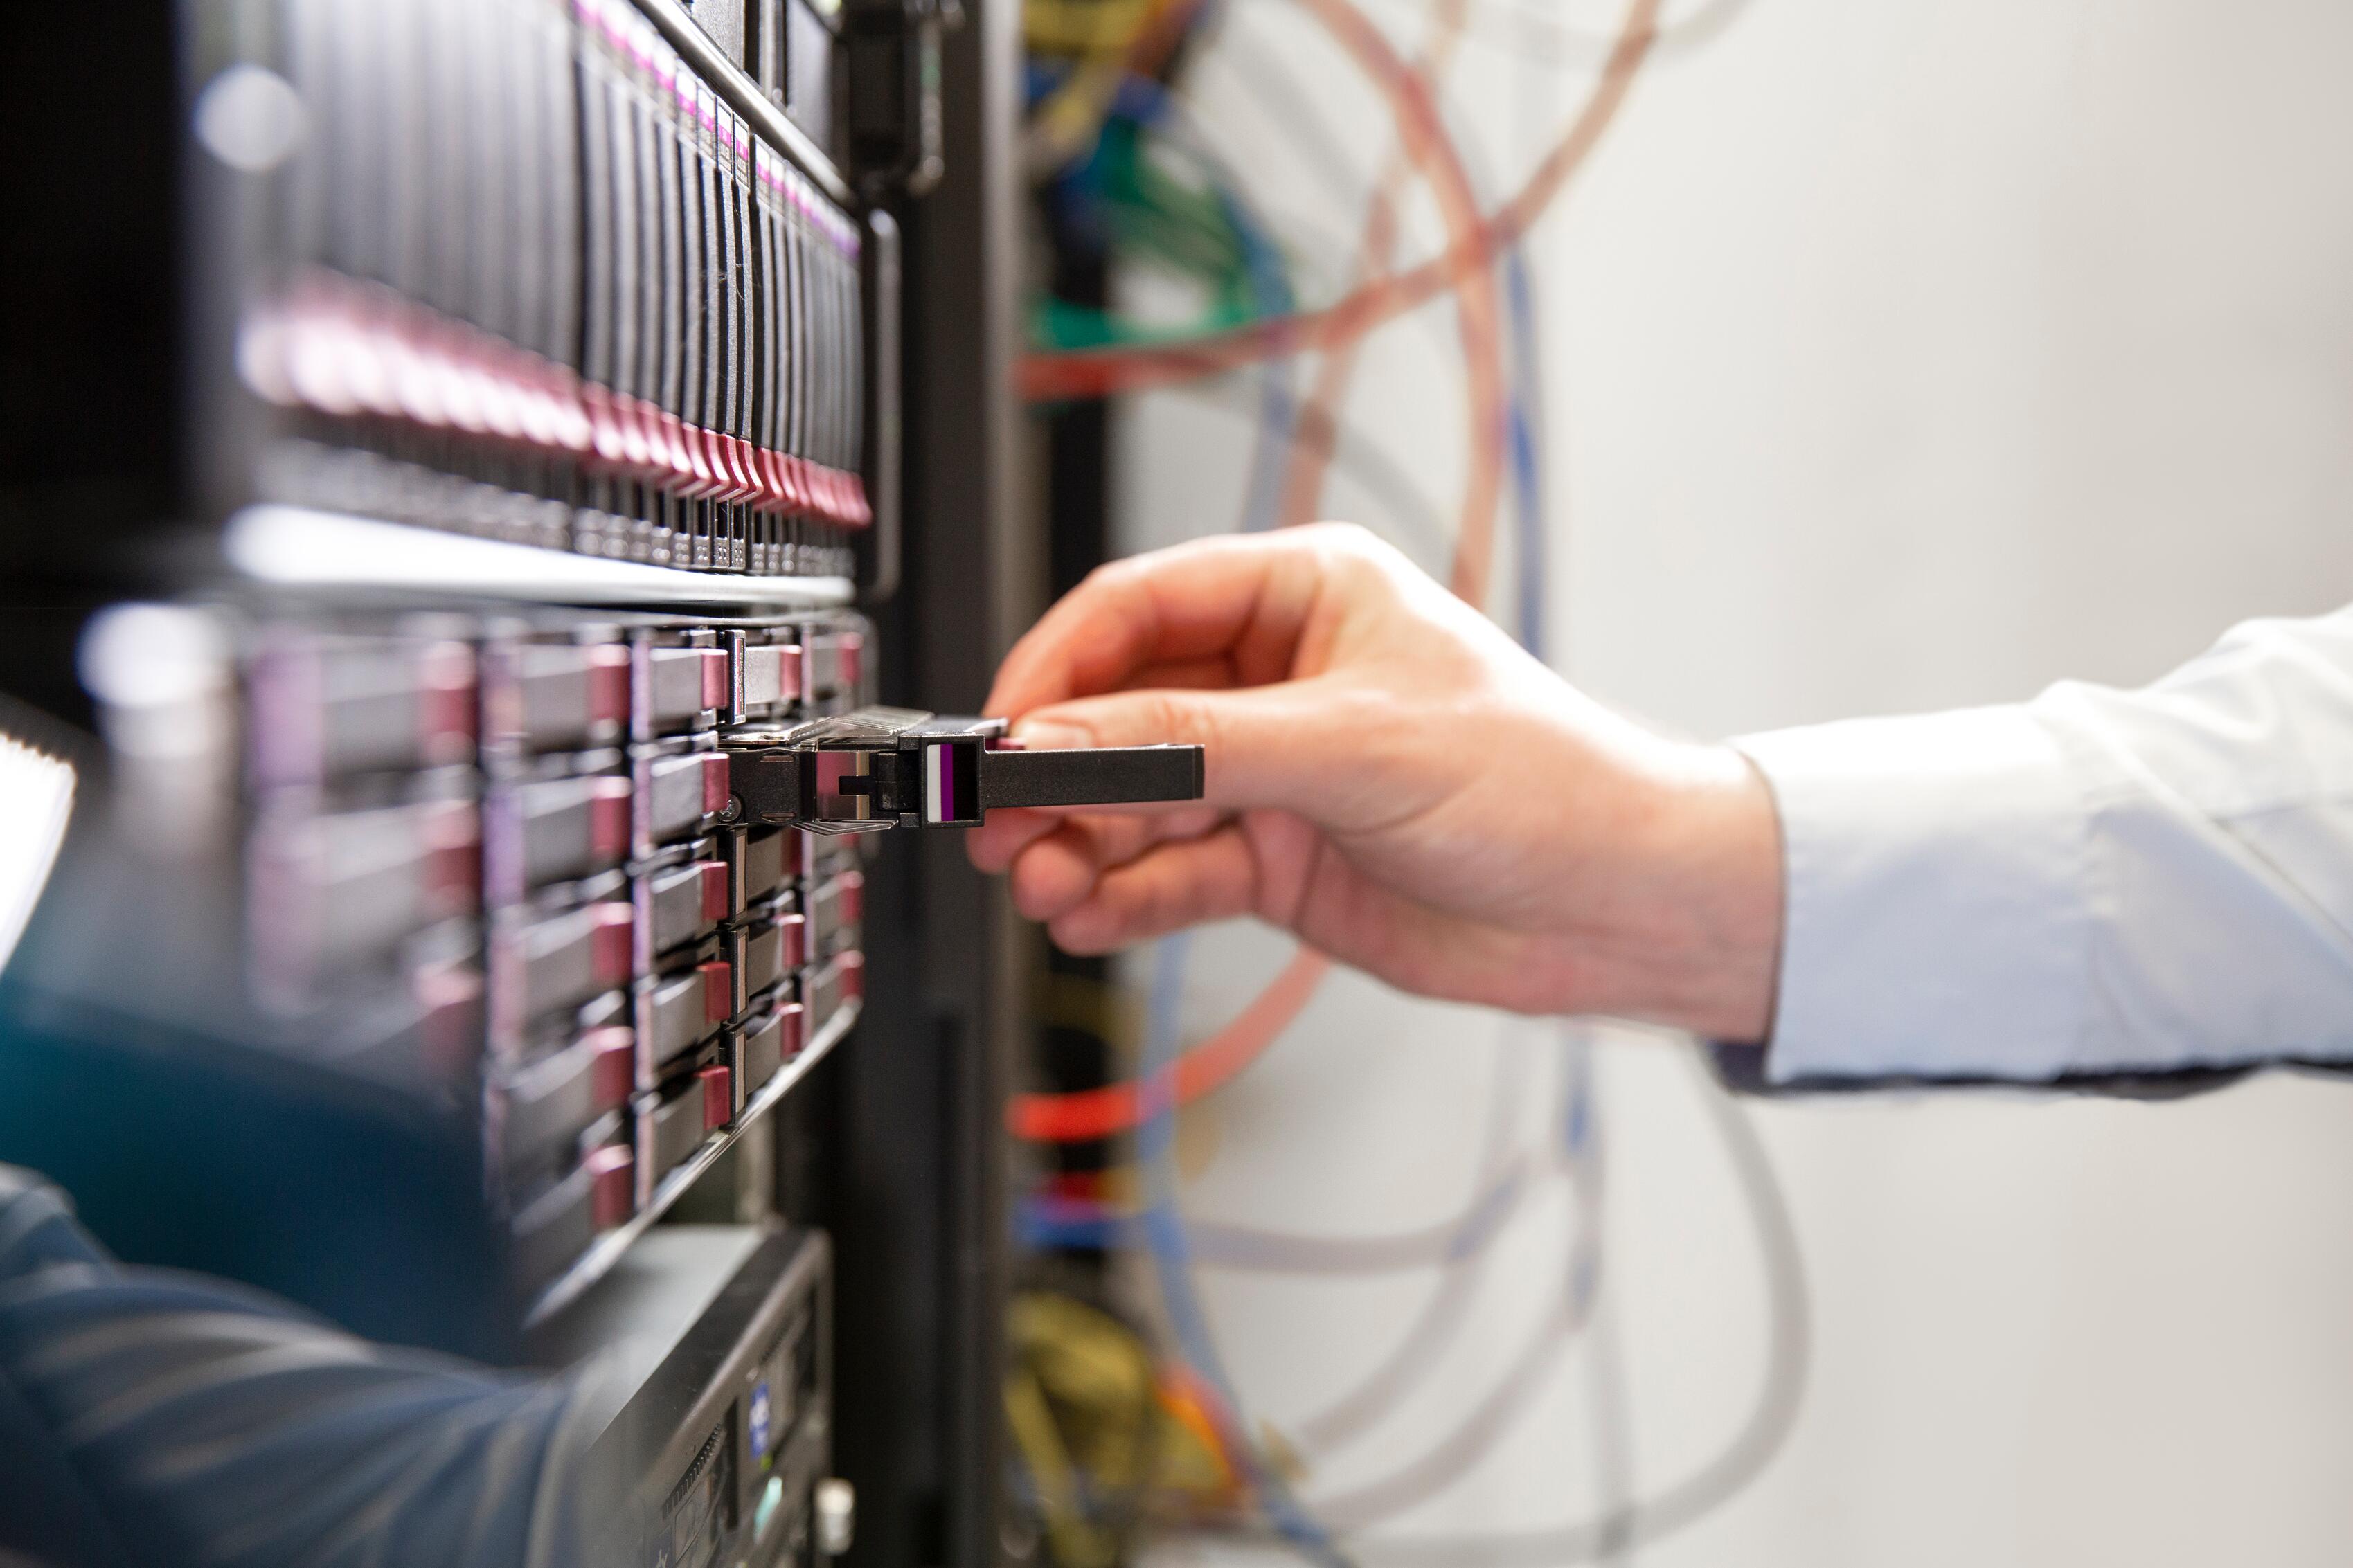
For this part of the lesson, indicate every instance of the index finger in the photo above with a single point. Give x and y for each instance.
(1243, 597)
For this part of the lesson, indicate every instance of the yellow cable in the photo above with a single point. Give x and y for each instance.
(1075, 1543)
(1092, 1008)
(1082, 27)
(1066, 124)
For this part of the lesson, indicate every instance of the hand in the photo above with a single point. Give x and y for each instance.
(1393, 779)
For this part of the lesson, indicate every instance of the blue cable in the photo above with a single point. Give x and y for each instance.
(1161, 1223)
(1526, 450)
(1046, 1220)
(1164, 1233)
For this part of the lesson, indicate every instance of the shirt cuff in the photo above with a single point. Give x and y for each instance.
(1936, 923)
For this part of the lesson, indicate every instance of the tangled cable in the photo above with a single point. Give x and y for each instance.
(1298, 441)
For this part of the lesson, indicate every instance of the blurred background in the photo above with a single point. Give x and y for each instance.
(1756, 362)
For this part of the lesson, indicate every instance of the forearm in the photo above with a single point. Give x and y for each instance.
(2095, 882)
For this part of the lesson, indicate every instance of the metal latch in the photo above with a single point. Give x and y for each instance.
(895, 767)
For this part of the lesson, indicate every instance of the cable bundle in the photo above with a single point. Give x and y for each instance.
(1100, 106)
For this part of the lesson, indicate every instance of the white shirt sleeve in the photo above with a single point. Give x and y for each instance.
(2095, 881)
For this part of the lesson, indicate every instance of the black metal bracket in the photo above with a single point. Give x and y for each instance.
(893, 69)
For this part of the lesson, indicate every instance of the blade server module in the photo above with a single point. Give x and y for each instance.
(437, 425)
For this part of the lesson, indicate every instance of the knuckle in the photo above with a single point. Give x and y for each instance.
(1083, 930)
(1351, 546)
(1126, 907)
(1185, 721)
(1115, 583)
(1376, 557)
(1338, 533)
(1029, 901)
(1110, 573)
(1162, 904)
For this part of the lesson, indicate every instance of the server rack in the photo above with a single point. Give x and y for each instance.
(445, 647)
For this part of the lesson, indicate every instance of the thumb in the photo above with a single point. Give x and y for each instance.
(1263, 746)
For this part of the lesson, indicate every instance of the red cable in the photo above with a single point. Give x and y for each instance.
(1120, 1108)
(1314, 430)
(1427, 145)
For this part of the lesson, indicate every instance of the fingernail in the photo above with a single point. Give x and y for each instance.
(1050, 735)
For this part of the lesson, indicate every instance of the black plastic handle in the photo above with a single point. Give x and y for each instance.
(1108, 775)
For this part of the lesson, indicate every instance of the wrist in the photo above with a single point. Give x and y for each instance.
(1736, 867)
(1699, 933)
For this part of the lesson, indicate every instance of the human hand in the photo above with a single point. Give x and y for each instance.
(1393, 779)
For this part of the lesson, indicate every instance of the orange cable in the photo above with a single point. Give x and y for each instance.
(1093, 1113)
(1316, 431)
(1427, 144)
(1090, 1114)
(1098, 372)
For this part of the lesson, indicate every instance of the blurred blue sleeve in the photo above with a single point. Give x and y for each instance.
(154, 1418)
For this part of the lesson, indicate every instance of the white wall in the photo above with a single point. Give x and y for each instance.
(1899, 356)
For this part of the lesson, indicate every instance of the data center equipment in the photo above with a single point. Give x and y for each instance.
(715, 1439)
(461, 454)
(492, 858)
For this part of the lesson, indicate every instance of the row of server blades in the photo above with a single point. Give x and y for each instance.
(408, 957)
(517, 269)
(491, 852)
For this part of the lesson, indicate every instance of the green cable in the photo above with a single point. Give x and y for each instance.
(1153, 216)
